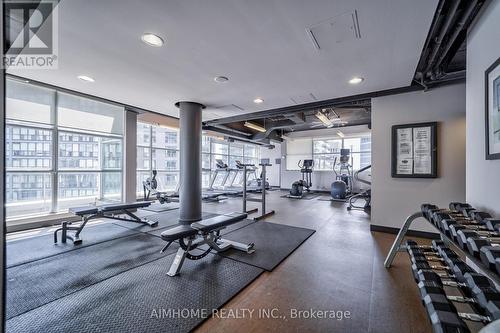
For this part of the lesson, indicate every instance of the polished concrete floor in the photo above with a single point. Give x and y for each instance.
(340, 268)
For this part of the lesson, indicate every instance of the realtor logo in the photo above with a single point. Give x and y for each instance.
(31, 34)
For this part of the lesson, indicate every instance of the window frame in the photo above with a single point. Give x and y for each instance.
(54, 170)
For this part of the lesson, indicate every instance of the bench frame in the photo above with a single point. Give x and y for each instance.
(213, 239)
(67, 227)
(204, 232)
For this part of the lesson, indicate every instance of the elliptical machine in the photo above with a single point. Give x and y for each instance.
(366, 195)
(341, 188)
(306, 169)
(150, 187)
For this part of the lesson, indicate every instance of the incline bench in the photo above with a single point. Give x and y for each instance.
(110, 211)
(206, 231)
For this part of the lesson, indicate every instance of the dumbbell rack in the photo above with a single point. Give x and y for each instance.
(470, 260)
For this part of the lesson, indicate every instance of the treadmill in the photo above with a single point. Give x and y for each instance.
(223, 180)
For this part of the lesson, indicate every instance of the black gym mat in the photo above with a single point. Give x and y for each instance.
(237, 226)
(20, 251)
(273, 243)
(37, 283)
(342, 201)
(131, 301)
(306, 196)
(158, 207)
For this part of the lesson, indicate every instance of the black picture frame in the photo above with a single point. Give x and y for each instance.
(434, 150)
(489, 154)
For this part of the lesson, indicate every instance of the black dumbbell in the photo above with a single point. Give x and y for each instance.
(454, 228)
(437, 217)
(492, 224)
(463, 234)
(480, 289)
(480, 216)
(444, 316)
(475, 243)
(458, 206)
(425, 208)
(489, 255)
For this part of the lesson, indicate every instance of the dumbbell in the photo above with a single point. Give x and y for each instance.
(479, 289)
(489, 255)
(477, 241)
(456, 266)
(453, 229)
(445, 318)
(439, 216)
(478, 221)
(463, 234)
(425, 208)
(458, 206)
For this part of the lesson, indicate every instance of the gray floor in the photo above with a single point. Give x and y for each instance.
(340, 267)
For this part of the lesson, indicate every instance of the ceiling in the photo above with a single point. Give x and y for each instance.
(264, 47)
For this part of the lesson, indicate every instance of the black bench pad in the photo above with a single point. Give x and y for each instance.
(87, 210)
(178, 232)
(219, 221)
(216, 222)
(127, 205)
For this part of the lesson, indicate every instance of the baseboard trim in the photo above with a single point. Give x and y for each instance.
(411, 233)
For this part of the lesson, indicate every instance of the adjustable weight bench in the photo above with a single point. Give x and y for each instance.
(110, 211)
(206, 231)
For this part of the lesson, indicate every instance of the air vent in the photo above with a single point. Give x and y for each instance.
(233, 107)
(326, 34)
(301, 99)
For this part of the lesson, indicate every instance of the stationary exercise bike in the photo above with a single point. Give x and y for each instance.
(150, 187)
(306, 169)
(365, 196)
(341, 188)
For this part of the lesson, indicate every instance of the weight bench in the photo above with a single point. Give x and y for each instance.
(110, 211)
(203, 232)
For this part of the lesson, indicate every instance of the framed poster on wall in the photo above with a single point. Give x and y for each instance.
(492, 116)
(414, 150)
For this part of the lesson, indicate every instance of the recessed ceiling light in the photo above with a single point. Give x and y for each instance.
(86, 78)
(152, 39)
(221, 79)
(356, 80)
(258, 100)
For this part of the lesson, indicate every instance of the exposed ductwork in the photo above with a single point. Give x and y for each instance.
(445, 39)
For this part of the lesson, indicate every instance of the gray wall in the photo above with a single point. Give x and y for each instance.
(393, 199)
(483, 48)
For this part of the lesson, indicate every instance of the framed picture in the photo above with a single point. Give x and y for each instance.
(492, 116)
(414, 150)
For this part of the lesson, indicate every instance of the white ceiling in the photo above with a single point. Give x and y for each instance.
(262, 46)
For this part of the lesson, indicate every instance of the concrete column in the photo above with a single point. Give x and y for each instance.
(130, 159)
(190, 161)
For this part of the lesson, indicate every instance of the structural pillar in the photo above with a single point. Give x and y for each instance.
(190, 161)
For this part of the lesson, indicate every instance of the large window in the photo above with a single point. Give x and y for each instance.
(326, 151)
(61, 150)
(158, 149)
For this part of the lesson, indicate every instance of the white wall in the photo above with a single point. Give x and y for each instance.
(322, 180)
(393, 199)
(483, 48)
(272, 172)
